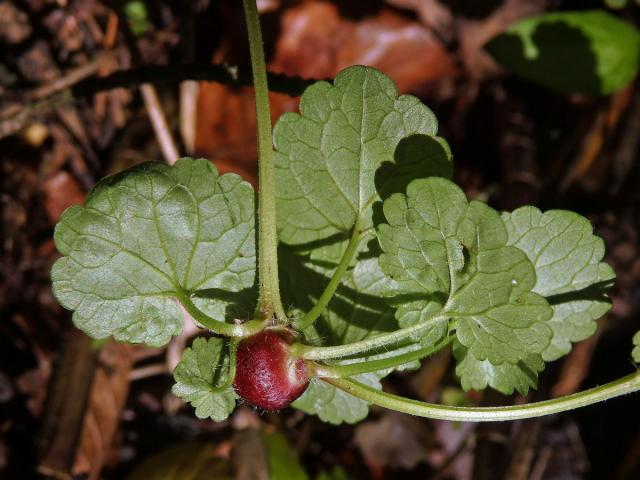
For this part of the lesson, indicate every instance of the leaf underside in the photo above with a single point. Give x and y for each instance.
(354, 143)
(328, 155)
(352, 315)
(515, 290)
(451, 256)
(569, 271)
(518, 288)
(144, 237)
(447, 256)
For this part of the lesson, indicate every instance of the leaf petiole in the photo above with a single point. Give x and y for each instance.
(348, 370)
(326, 296)
(233, 349)
(622, 386)
(311, 352)
(216, 326)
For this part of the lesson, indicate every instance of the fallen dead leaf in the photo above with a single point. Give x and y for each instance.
(315, 42)
(107, 399)
(60, 191)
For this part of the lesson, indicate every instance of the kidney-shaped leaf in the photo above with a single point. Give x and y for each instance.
(328, 155)
(147, 236)
(445, 255)
(569, 271)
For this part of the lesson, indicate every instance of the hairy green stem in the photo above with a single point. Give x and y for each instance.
(216, 326)
(269, 304)
(352, 247)
(311, 352)
(622, 386)
(342, 371)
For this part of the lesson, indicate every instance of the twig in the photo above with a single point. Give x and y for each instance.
(16, 116)
(188, 113)
(159, 123)
(233, 75)
(148, 371)
(75, 75)
(189, 88)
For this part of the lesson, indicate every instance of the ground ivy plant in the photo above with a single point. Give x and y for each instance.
(380, 258)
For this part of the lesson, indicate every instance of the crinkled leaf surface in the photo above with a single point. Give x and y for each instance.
(590, 52)
(569, 271)
(202, 379)
(146, 234)
(478, 374)
(354, 313)
(327, 156)
(635, 353)
(442, 253)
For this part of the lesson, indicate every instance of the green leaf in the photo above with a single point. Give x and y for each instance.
(589, 52)
(202, 379)
(478, 374)
(567, 259)
(283, 461)
(336, 406)
(444, 254)
(329, 155)
(635, 353)
(148, 235)
(354, 313)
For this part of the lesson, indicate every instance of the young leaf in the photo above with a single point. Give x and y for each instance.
(478, 374)
(590, 52)
(202, 379)
(328, 156)
(147, 236)
(445, 255)
(567, 259)
(635, 353)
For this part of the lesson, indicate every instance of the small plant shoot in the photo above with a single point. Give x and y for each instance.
(379, 256)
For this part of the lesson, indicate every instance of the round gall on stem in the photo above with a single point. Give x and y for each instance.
(267, 374)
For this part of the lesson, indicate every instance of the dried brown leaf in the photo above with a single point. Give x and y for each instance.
(106, 402)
